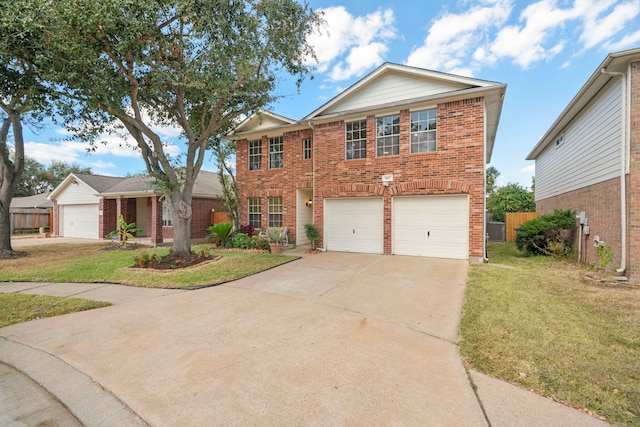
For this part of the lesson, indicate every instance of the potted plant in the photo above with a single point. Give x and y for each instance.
(312, 234)
(275, 240)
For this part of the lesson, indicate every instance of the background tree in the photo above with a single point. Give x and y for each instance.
(222, 151)
(22, 97)
(197, 64)
(38, 179)
(510, 198)
(492, 175)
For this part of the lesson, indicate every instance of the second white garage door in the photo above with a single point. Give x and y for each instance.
(432, 226)
(80, 221)
(354, 225)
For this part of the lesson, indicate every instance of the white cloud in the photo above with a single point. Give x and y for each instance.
(453, 38)
(66, 151)
(529, 169)
(356, 42)
(486, 33)
(598, 29)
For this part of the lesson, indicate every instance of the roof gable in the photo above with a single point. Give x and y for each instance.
(262, 121)
(394, 83)
(94, 183)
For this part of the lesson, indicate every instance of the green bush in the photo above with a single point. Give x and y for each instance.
(241, 240)
(222, 231)
(258, 242)
(547, 234)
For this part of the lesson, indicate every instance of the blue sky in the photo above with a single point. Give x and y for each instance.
(544, 51)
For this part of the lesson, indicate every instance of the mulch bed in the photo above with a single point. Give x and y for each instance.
(172, 262)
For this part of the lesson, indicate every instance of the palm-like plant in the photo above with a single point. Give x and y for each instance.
(222, 231)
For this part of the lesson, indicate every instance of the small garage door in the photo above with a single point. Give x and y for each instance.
(354, 225)
(433, 226)
(80, 221)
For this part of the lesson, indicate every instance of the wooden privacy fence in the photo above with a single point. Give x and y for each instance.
(24, 220)
(513, 220)
(217, 217)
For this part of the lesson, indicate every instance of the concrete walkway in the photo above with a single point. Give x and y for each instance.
(331, 339)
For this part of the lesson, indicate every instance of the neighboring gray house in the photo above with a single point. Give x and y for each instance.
(589, 161)
(87, 206)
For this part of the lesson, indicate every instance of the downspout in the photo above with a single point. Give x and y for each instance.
(623, 166)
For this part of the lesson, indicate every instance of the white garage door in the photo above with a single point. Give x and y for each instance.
(433, 226)
(354, 225)
(80, 221)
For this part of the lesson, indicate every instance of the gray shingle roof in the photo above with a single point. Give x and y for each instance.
(35, 201)
(207, 184)
(99, 183)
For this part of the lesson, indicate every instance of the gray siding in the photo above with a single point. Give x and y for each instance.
(590, 153)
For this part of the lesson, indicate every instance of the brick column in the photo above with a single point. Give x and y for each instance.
(155, 225)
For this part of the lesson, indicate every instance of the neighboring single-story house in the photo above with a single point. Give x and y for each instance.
(87, 206)
(37, 201)
(589, 161)
(395, 164)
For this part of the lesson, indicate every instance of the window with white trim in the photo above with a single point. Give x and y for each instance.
(388, 135)
(255, 155)
(275, 211)
(166, 215)
(276, 152)
(356, 140)
(423, 131)
(306, 148)
(255, 212)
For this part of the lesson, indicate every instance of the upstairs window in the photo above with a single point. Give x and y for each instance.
(255, 212)
(388, 135)
(356, 140)
(306, 148)
(276, 152)
(423, 131)
(255, 155)
(275, 211)
(166, 215)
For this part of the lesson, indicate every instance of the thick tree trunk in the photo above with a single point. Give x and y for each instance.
(5, 224)
(180, 207)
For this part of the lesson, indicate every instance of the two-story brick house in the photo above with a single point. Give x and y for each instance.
(395, 164)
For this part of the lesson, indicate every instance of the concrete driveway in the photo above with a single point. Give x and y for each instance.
(331, 339)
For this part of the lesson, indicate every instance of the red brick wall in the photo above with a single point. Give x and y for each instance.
(109, 219)
(201, 219)
(265, 183)
(601, 204)
(633, 179)
(457, 167)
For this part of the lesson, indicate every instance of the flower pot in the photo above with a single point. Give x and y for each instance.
(276, 248)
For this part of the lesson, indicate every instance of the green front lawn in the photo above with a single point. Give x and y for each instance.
(536, 322)
(92, 263)
(16, 308)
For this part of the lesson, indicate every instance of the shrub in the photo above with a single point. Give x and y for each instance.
(312, 234)
(124, 232)
(247, 229)
(222, 231)
(547, 234)
(241, 240)
(258, 242)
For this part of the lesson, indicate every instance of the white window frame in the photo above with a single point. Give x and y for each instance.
(388, 135)
(166, 215)
(254, 208)
(276, 152)
(360, 140)
(255, 155)
(275, 211)
(306, 148)
(423, 131)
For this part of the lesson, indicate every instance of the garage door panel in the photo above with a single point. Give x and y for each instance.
(80, 221)
(434, 226)
(354, 225)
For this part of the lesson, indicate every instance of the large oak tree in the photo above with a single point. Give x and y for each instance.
(197, 64)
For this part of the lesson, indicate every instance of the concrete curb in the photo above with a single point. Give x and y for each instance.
(93, 406)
